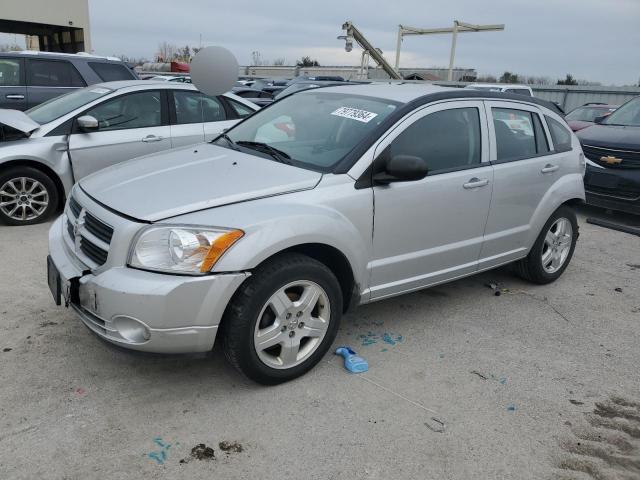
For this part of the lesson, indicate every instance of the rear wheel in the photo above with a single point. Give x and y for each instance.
(27, 196)
(553, 249)
(283, 319)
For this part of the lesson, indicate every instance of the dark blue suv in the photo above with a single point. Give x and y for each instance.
(30, 78)
(612, 149)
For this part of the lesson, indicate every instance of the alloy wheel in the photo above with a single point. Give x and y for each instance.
(292, 324)
(557, 245)
(23, 198)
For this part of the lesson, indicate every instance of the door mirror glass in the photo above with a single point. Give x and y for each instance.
(402, 168)
(88, 123)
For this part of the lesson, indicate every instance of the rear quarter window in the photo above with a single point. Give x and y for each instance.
(559, 134)
(53, 73)
(109, 72)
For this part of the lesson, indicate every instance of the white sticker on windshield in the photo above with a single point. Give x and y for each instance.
(355, 114)
(99, 90)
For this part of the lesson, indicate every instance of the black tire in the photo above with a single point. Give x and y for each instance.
(240, 318)
(32, 174)
(531, 268)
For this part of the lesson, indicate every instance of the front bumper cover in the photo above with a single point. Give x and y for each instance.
(181, 314)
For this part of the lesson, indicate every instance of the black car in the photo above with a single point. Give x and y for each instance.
(612, 149)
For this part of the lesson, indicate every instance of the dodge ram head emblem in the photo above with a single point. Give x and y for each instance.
(611, 160)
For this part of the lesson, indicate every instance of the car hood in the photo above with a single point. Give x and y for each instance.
(611, 136)
(185, 180)
(17, 120)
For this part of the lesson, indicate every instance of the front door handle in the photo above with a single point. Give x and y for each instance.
(476, 182)
(152, 138)
(14, 96)
(548, 168)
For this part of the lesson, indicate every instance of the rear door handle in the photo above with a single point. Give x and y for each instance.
(476, 182)
(152, 138)
(548, 168)
(14, 96)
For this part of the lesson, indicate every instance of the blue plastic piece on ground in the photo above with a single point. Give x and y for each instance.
(352, 362)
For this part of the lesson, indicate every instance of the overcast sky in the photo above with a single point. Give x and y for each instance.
(597, 40)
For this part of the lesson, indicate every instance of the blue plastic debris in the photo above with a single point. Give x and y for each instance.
(352, 362)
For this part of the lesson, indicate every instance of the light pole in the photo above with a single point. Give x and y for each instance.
(458, 27)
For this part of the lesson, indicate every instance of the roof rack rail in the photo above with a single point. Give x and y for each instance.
(63, 54)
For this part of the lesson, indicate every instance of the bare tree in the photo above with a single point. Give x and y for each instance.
(307, 62)
(10, 47)
(166, 52)
(278, 62)
(256, 58)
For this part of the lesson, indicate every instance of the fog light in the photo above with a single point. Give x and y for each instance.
(131, 329)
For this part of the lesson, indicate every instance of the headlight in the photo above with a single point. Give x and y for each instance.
(178, 249)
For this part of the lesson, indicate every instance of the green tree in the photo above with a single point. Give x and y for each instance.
(569, 80)
(307, 62)
(508, 77)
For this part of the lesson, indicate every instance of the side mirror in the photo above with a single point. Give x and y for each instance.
(87, 123)
(600, 119)
(402, 168)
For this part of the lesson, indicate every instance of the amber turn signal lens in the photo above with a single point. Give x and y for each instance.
(218, 247)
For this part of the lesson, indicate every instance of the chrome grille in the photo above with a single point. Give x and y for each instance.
(629, 158)
(91, 250)
(90, 236)
(75, 207)
(100, 229)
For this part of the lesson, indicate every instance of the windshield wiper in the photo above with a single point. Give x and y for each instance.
(231, 143)
(279, 155)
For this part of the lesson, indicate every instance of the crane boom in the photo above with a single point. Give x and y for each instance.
(355, 34)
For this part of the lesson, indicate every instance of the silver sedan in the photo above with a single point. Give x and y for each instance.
(45, 150)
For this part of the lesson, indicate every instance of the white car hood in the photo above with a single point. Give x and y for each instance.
(18, 120)
(185, 180)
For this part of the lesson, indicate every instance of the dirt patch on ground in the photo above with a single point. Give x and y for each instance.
(606, 446)
(200, 452)
(231, 447)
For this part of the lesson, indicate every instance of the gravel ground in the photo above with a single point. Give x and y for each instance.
(539, 382)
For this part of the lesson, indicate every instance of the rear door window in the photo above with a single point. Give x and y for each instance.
(560, 135)
(53, 73)
(447, 140)
(188, 107)
(239, 108)
(10, 72)
(109, 72)
(212, 109)
(519, 134)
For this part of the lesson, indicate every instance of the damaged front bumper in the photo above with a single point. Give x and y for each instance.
(141, 310)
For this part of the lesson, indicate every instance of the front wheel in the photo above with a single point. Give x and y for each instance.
(283, 319)
(553, 249)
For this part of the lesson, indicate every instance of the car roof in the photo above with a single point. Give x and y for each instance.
(394, 91)
(499, 85)
(421, 94)
(120, 84)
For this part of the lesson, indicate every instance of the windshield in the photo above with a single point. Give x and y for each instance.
(588, 114)
(57, 107)
(315, 130)
(627, 115)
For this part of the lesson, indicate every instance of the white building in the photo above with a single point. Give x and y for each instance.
(50, 25)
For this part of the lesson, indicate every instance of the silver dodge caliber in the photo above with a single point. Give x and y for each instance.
(327, 199)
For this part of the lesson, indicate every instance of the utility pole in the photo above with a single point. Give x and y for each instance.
(458, 27)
